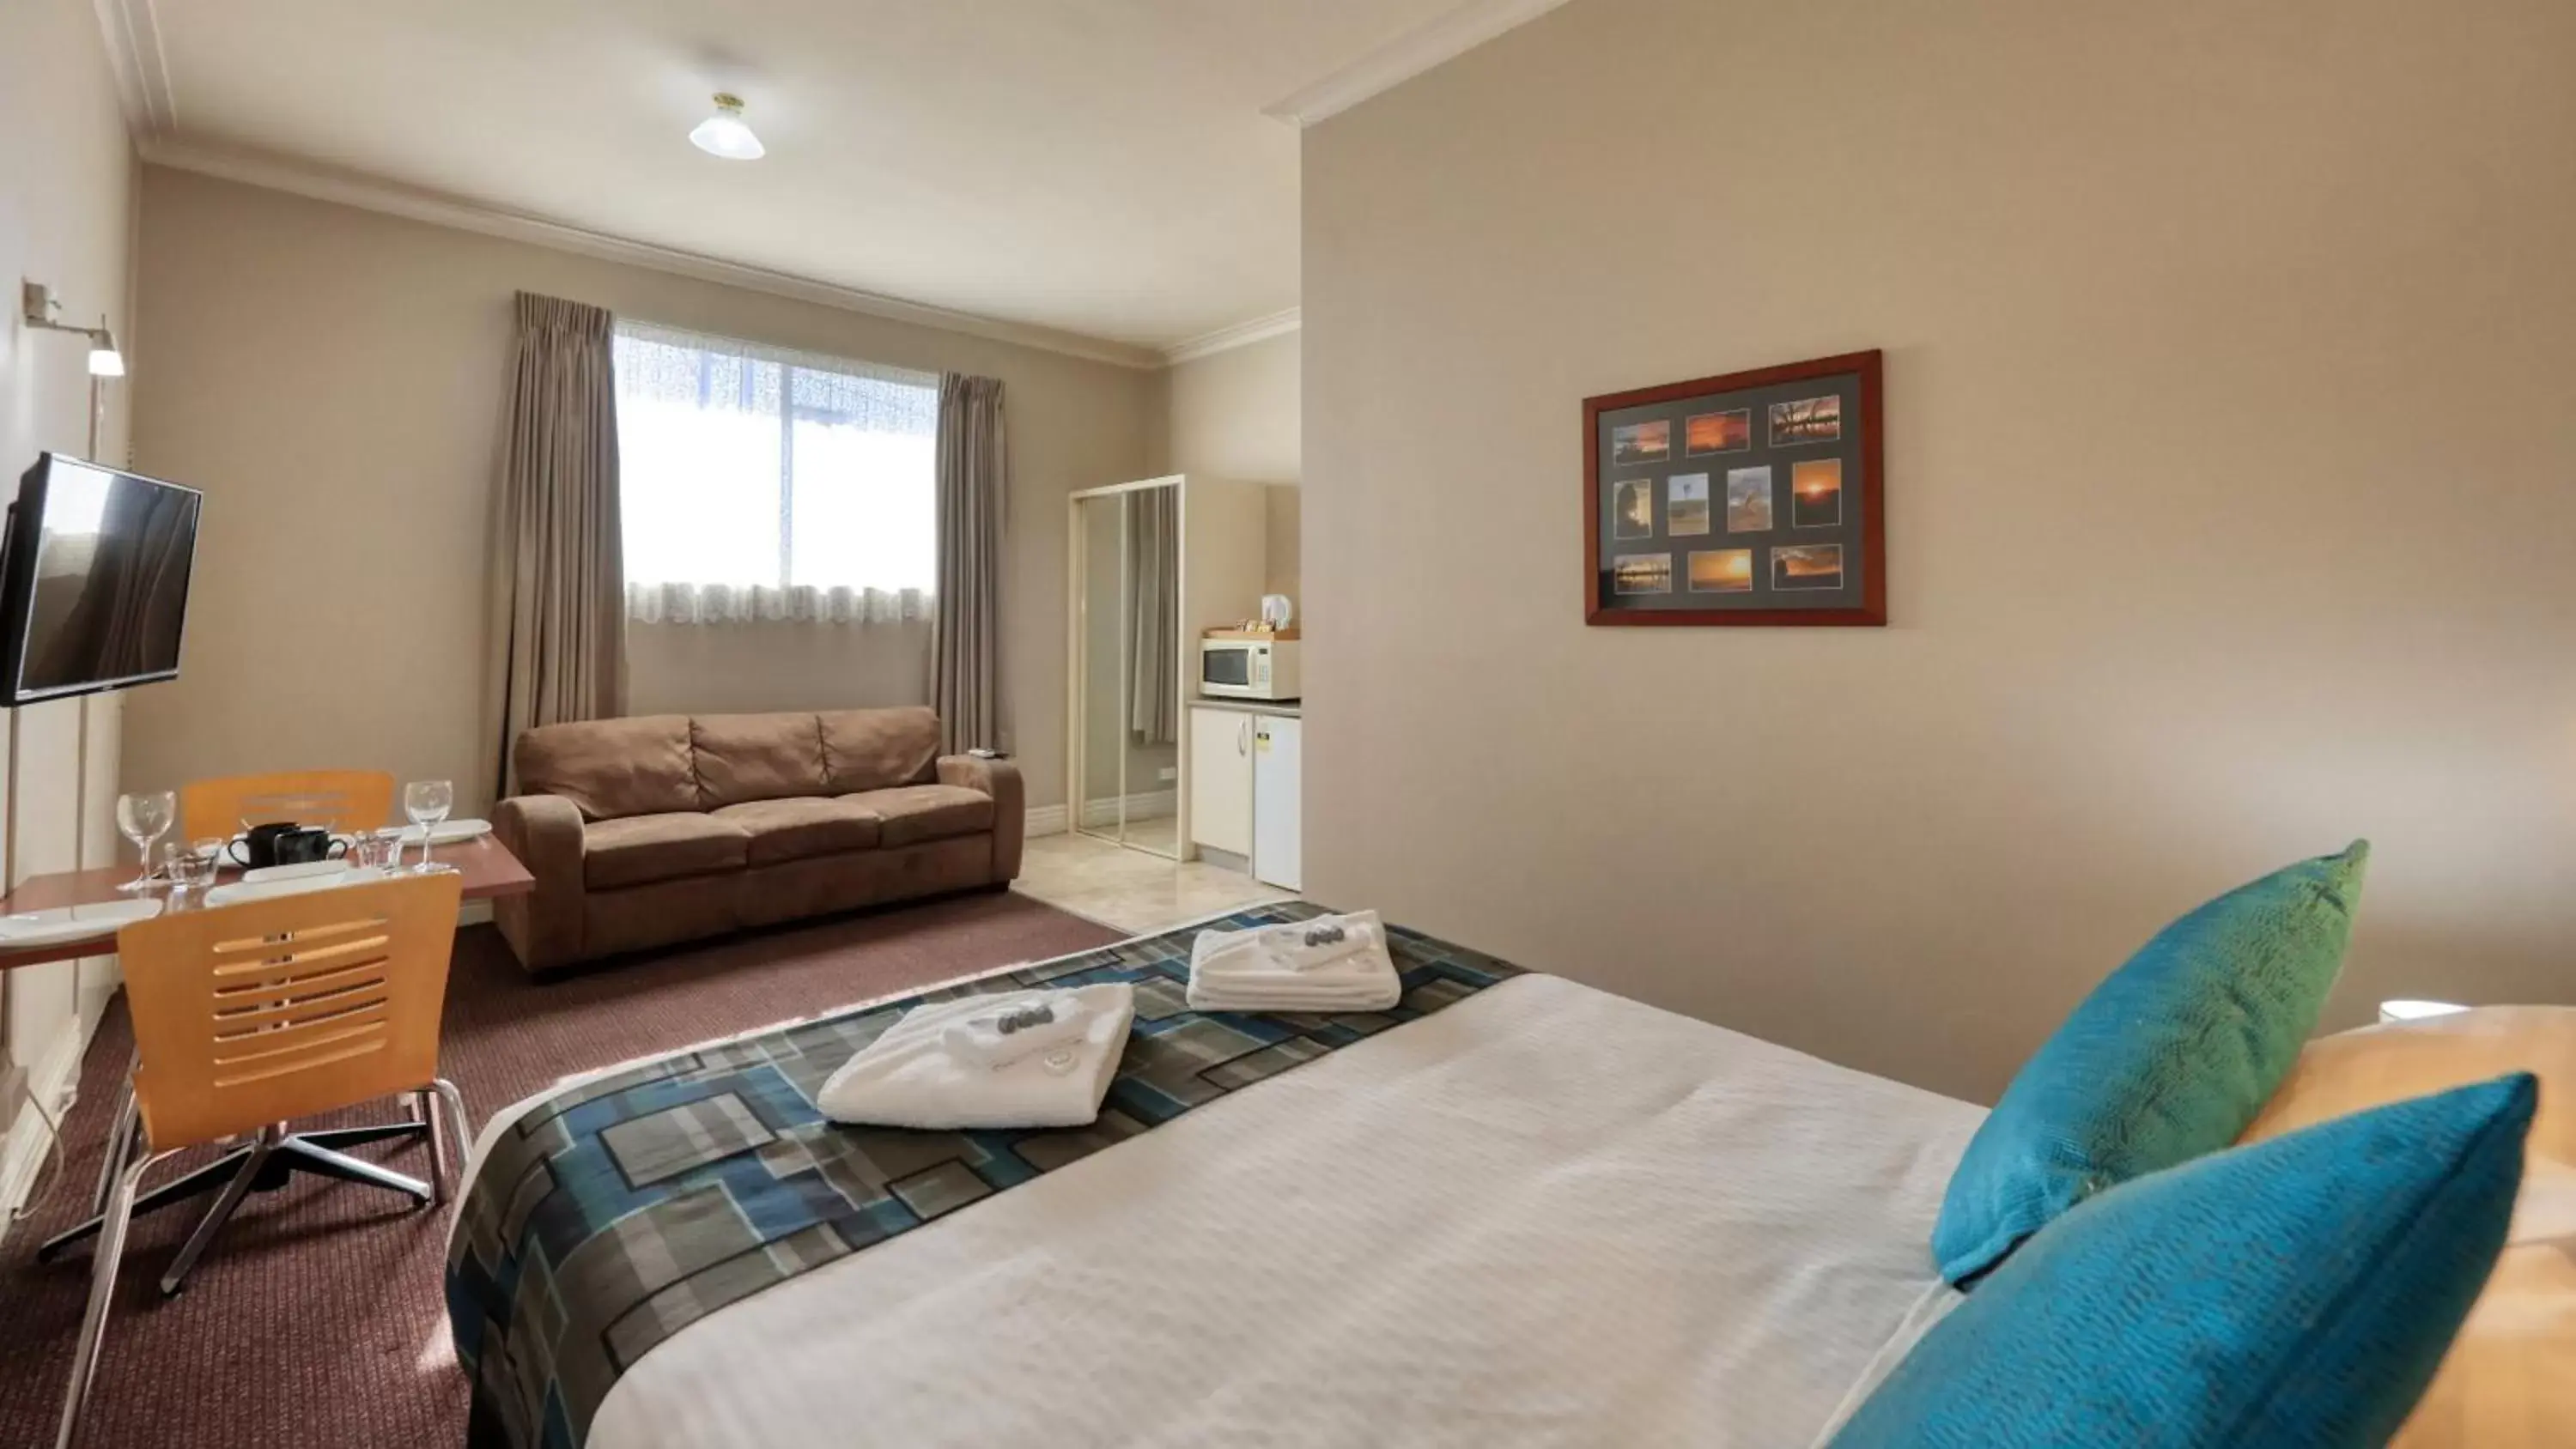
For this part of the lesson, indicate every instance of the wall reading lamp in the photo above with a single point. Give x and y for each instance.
(39, 309)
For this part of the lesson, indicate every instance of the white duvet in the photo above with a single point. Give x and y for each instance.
(1543, 1216)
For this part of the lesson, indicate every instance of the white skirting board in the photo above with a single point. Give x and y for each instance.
(54, 1083)
(1057, 819)
(1148, 805)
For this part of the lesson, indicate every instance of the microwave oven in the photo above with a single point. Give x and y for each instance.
(1248, 668)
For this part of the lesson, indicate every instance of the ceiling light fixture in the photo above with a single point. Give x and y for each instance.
(724, 134)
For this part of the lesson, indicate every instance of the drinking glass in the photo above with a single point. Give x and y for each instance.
(144, 818)
(427, 802)
(192, 869)
(376, 850)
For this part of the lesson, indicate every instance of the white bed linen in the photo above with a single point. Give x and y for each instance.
(1543, 1216)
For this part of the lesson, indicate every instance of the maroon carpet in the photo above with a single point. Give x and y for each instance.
(317, 1319)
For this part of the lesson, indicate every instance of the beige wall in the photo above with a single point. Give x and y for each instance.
(1235, 414)
(2229, 448)
(333, 377)
(66, 216)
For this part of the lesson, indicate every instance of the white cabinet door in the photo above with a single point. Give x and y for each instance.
(1221, 779)
(1278, 769)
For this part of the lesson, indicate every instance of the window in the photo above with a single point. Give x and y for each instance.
(759, 483)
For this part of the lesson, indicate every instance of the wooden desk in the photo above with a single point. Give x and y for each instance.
(489, 869)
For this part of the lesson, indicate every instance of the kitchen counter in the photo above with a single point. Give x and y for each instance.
(1293, 709)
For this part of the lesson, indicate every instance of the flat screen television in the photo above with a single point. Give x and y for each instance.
(93, 580)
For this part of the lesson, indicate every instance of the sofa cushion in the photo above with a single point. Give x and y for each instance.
(878, 749)
(611, 767)
(914, 813)
(636, 849)
(795, 829)
(745, 757)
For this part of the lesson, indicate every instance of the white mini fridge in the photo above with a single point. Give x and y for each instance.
(1278, 751)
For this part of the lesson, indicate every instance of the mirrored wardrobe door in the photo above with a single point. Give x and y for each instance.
(1150, 808)
(1098, 789)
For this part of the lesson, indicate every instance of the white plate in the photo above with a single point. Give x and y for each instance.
(240, 891)
(73, 923)
(448, 832)
(267, 873)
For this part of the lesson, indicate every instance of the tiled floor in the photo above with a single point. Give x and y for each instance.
(1129, 889)
(1158, 833)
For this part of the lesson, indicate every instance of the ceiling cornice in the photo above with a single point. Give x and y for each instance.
(1408, 55)
(1242, 334)
(133, 33)
(368, 193)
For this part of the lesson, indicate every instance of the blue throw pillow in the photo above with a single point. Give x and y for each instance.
(2296, 1292)
(2169, 1058)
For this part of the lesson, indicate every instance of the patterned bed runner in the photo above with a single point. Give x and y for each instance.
(619, 1211)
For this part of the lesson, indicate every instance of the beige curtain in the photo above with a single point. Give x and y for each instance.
(1154, 614)
(974, 477)
(559, 586)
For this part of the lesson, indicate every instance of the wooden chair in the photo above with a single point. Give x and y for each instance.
(341, 799)
(248, 1016)
(344, 800)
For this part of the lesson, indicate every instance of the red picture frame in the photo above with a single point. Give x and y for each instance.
(1674, 441)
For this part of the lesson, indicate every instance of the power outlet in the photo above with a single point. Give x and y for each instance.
(1168, 774)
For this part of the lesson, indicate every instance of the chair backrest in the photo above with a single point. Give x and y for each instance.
(341, 799)
(256, 1013)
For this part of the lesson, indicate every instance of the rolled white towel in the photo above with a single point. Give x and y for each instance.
(1017, 1025)
(1301, 947)
(910, 1077)
(1326, 940)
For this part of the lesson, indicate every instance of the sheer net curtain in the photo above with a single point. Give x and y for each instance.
(766, 484)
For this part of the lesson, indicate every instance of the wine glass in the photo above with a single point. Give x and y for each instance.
(144, 818)
(427, 802)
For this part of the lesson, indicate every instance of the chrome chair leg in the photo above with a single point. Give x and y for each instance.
(222, 1212)
(302, 1156)
(120, 1136)
(450, 1130)
(102, 1292)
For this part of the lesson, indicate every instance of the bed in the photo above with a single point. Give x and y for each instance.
(1515, 1210)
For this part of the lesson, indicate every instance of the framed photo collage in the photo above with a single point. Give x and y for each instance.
(1752, 498)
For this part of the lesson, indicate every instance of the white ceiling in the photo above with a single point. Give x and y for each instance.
(1098, 167)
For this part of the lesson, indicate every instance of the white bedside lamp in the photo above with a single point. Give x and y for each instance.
(2417, 1010)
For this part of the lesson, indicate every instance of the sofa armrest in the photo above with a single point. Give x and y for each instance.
(1001, 780)
(544, 926)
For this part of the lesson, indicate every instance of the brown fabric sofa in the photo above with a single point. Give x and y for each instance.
(646, 832)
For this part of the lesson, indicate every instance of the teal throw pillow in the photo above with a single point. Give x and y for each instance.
(2168, 1059)
(2297, 1293)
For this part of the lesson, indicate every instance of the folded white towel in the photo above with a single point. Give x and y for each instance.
(1328, 964)
(1204, 998)
(1018, 1025)
(911, 1077)
(1354, 941)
